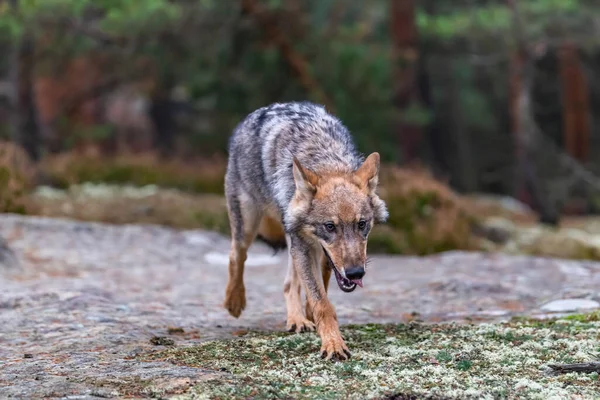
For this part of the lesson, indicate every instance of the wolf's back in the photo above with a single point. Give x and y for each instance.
(264, 144)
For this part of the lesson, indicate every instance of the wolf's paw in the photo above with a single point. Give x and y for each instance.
(235, 301)
(335, 349)
(299, 324)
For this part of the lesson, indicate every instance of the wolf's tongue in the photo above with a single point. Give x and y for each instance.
(357, 281)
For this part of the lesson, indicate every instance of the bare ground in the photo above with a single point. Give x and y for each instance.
(89, 298)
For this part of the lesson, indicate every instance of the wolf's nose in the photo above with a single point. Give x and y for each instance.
(355, 273)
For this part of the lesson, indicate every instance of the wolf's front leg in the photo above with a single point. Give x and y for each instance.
(332, 343)
(296, 321)
(307, 261)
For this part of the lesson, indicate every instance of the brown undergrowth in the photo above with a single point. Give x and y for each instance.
(426, 216)
(202, 175)
(17, 177)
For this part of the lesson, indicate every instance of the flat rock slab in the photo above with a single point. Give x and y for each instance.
(90, 297)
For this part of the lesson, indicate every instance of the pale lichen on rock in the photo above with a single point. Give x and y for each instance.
(495, 361)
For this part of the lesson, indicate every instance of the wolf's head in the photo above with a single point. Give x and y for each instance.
(336, 211)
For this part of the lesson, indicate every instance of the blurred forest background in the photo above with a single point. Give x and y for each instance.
(480, 96)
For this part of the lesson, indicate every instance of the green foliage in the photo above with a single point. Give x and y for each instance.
(228, 65)
(10, 25)
(495, 19)
(444, 356)
(139, 16)
(464, 365)
(417, 115)
(589, 317)
(218, 222)
(425, 216)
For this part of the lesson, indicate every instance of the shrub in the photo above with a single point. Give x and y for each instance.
(17, 175)
(426, 216)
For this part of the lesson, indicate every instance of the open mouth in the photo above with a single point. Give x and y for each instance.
(345, 284)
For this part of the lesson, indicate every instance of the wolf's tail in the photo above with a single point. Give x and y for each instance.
(271, 232)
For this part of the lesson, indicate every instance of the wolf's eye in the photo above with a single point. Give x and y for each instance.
(362, 224)
(329, 226)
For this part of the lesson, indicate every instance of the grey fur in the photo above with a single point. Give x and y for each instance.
(263, 145)
(301, 252)
(277, 158)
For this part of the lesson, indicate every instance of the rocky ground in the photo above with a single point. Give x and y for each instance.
(89, 303)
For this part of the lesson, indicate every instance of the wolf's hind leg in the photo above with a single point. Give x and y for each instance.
(244, 218)
(296, 321)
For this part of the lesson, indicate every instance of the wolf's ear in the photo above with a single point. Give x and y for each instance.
(306, 180)
(368, 178)
(368, 172)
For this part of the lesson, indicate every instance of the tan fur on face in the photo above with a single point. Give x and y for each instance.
(339, 200)
(340, 192)
(342, 198)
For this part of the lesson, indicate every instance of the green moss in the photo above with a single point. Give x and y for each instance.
(129, 387)
(143, 175)
(443, 356)
(120, 172)
(509, 336)
(464, 365)
(450, 361)
(212, 221)
(589, 317)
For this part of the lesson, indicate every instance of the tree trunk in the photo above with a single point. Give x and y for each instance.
(406, 74)
(162, 115)
(515, 90)
(24, 119)
(575, 103)
(529, 186)
(466, 166)
(437, 145)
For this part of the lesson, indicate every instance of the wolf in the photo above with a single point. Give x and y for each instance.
(295, 179)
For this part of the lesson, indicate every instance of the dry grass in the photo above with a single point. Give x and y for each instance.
(17, 176)
(164, 207)
(196, 176)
